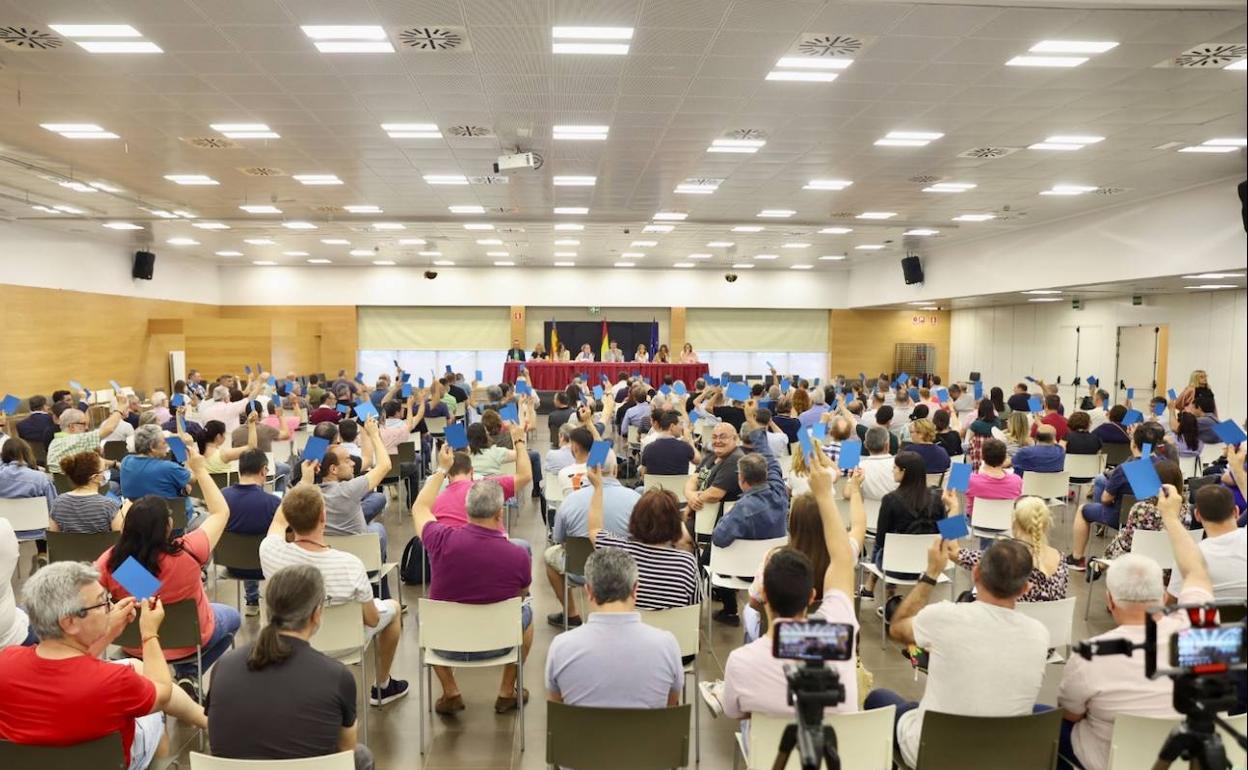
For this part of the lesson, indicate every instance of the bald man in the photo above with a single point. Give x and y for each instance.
(1045, 456)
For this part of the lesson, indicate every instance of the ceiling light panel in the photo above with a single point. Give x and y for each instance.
(260, 209)
(362, 208)
(827, 184)
(317, 179)
(776, 213)
(581, 133)
(643, 244)
(343, 38)
(922, 231)
(950, 187)
(210, 225)
(445, 179)
(299, 225)
(91, 31)
(836, 230)
(742, 146)
(652, 228)
(572, 210)
(259, 241)
(601, 41)
(412, 131)
(670, 216)
(466, 209)
(79, 131)
(974, 217)
(877, 215)
(908, 138)
(191, 179)
(574, 181)
(245, 130)
(1072, 46)
(1046, 61)
(119, 46)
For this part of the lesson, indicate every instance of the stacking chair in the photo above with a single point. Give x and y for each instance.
(1046, 486)
(437, 431)
(367, 548)
(102, 753)
(728, 564)
(872, 508)
(240, 552)
(576, 551)
(177, 512)
(1082, 469)
(682, 622)
(934, 479)
(342, 635)
(62, 483)
(864, 740)
(1136, 741)
(114, 450)
(1210, 453)
(70, 546)
(222, 480)
(26, 514)
(1058, 617)
(992, 518)
(954, 742)
(454, 627)
(180, 629)
(903, 554)
(616, 738)
(1189, 466)
(1155, 544)
(1116, 454)
(280, 451)
(673, 484)
(343, 760)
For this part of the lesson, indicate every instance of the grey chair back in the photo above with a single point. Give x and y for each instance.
(607, 739)
(73, 546)
(954, 742)
(103, 753)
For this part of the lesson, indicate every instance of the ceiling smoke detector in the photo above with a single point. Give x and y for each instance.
(28, 39)
(436, 39)
(210, 142)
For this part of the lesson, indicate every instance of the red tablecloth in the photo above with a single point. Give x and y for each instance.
(555, 375)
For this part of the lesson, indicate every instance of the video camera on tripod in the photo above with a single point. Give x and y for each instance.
(812, 687)
(1202, 658)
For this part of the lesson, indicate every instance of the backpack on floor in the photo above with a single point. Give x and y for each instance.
(413, 562)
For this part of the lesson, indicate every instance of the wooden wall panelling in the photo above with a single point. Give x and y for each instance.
(517, 315)
(862, 340)
(676, 332)
(337, 331)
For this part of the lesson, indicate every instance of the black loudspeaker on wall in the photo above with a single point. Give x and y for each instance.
(144, 265)
(913, 269)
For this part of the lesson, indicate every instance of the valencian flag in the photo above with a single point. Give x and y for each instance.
(554, 338)
(606, 342)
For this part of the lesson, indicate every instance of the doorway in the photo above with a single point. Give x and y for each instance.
(1141, 362)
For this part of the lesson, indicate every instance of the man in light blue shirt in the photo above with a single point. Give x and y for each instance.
(637, 415)
(572, 520)
(819, 405)
(614, 660)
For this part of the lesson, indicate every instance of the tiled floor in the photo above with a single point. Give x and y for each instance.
(478, 738)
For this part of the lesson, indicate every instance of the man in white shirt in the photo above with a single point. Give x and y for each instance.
(1094, 692)
(223, 409)
(1225, 546)
(586, 354)
(1097, 414)
(614, 354)
(877, 466)
(580, 441)
(985, 658)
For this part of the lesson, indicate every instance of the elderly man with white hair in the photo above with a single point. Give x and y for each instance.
(223, 409)
(60, 692)
(1094, 692)
(75, 436)
(572, 520)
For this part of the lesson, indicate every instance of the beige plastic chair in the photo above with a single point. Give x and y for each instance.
(343, 760)
(673, 484)
(935, 479)
(740, 558)
(1058, 617)
(1210, 453)
(342, 636)
(903, 553)
(864, 740)
(103, 753)
(576, 551)
(241, 552)
(954, 742)
(1136, 740)
(1155, 544)
(617, 739)
(454, 627)
(366, 548)
(872, 508)
(992, 518)
(683, 622)
(1083, 466)
(280, 450)
(1046, 486)
(25, 513)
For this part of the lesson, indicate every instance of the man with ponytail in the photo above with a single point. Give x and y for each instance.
(280, 673)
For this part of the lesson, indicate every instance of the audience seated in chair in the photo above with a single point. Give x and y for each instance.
(345, 492)
(1045, 456)
(1225, 545)
(85, 509)
(1049, 574)
(251, 513)
(75, 436)
(20, 478)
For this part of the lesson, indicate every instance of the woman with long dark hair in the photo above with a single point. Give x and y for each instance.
(487, 458)
(217, 456)
(997, 397)
(911, 509)
(147, 535)
(1186, 428)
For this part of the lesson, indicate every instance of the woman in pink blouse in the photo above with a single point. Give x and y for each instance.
(687, 356)
(993, 482)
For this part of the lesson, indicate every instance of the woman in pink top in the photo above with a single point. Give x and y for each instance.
(993, 482)
(147, 536)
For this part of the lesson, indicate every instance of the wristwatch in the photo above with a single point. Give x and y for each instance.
(926, 578)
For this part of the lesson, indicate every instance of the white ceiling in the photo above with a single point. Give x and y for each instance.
(695, 72)
(1065, 294)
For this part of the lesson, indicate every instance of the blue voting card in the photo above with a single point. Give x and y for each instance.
(246, 369)
(849, 397)
(709, 380)
(76, 385)
(359, 377)
(808, 446)
(457, 436)
(679, 389)
(959, 476)
(343, 409)
(272, 380)
(420, 382)
(177, 400)
(903, 378)
(524, 388)
(1159, 409)
(1172, 395)
(256, 406)
(365, 409)
(1029, 378)
(598, 454)
(116, 385)
(769, 366)
(1132, 417)
(942, 395)
(406, 390)
(914, 394)
(314, 450)
(953, 527)
(851, 454)
(1130, 393)
(479, 376)
(738, 391)
(1230, 432)
(1146, 450)
(979, 390)
(819, 431)
(509, 413)
(665, 389)
(598, 392)
(1143, 478)
(1093, 381)
(177, 448)
(1035, 404)
(10, 404)
(135, 578)
(448, 369)
(405, 376)
(784, 386)
(277, 400)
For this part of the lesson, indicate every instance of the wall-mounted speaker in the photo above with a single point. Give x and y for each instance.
(144, 265)
(912, 269)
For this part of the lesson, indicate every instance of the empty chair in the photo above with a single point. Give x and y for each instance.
(992, 517)
(864, 740)
(343, 760)
(904, 554)
(953, 742)
(1058, 617)
(73, 546)
(114, 450)
(1210, 453)
(1137, 740)
(740, 558)
(1083, 468)
(617, 739)
(673, 484)
(1117, 454)
(238, 552)
(1046, 486)
(1155, 544)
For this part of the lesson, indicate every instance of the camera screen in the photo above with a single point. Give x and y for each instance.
(812, 640)
(1207, 646)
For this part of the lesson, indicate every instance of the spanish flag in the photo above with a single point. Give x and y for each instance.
(606, 342)
(554, 338)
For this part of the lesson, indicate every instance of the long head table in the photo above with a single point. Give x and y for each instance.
(556, 375)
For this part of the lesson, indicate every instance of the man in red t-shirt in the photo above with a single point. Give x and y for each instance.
(1051, 416)
(451, 507)
(59, 692)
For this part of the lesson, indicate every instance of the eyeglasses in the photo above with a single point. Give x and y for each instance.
(107, 604)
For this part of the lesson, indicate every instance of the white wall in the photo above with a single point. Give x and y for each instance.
(1208, 330)
(35, 256)
(1195, 230)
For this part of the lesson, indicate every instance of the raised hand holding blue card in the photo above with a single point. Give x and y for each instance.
(1132, 417)
(314, 450)
(1143, 478)
(1130, 393)
(1172, 395)
(979, 390)
(1159, 409)
(959, 476)
(135, 578)
(509, 413)
(808, 446)
(738, 391)
(850, 456)
(1035, 404)
(10, 404)
(1230, 432)
(480, 377)
(177, 400)
(942, 395)
(819, 431)
(598, 454)
(598, 392)
(343, 409)
(679, 389)
(953, 527)
(365, 410)
(457, 436)
(177, 448)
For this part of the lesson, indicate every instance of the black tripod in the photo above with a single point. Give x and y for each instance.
(824, 748)
(1199, 699)
(812, 688)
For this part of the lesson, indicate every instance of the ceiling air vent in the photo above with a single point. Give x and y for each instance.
(745, 133)
(28, 39)
(469, 132)
(326, 209)
(926, 179)
(261, 171)
(843, 214)
(988, 153)
(488, 180)
(1109, 190)
(1208, 56)
(828, 45)
(436, 39)
(210, 142)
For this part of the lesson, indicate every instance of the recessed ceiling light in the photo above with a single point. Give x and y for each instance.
(159, 213)
(245, 130)
(1084, 139)
(335, 242)
(703, 187)
(974, 217)
(572, 210)
(105, 186)
(580, 133)
(67, 209)
(1215, 275)
(836, 230)
(832, 257)
(908, 138)
(827, 184)
(720, 244)
(191, 179)
(877, 215)
(950, 187)
(430, 253)
(1072, 46)
(259, 241)
(656, 228)
(1068, 189)
(795, 246)
(1046, 61)
(1209, 148)
(670, 216)
(210, 225)
(601, 49)
(362, 208)
(870, 247)
(412, 241)
(184, 214)
(229, 253)
(574, 181)
(299, 225)
(294, 253)
(565, 264)
(413, 131)
(122, 226)
(572, 40)
(489, 242)
(389, 226)
(478, 226)
(766, 257)
(384, 262)
(79, 131)
(567, 242)
(748, 229)
(742, 266)
(317, 179)
(344, 38)
(466, 209)
(320, 261)
(1042, 292)
(119, 46)
(814, 63)
(445, 179)
(683, 265)
(901, 143)
(96, 30)
(260, 209)
(506, 254)
(921, 231)
(361, 252)
(263, 262)
(929, 307)
(1240, 65)
(182, 241)
(86, 188)
(592, 33)
(1055, 146)
(1230, 142)
(776, 213)
(742, 146)
(1213, 286)
(700, 256)
(626, 255)
(643, 244)
(801, 267)
(816, 76)
(625, 264)
(569, 226)
(1045, 299)
(443, 263)
(504, 264)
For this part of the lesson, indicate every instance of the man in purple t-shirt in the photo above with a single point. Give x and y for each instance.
(475, 564)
